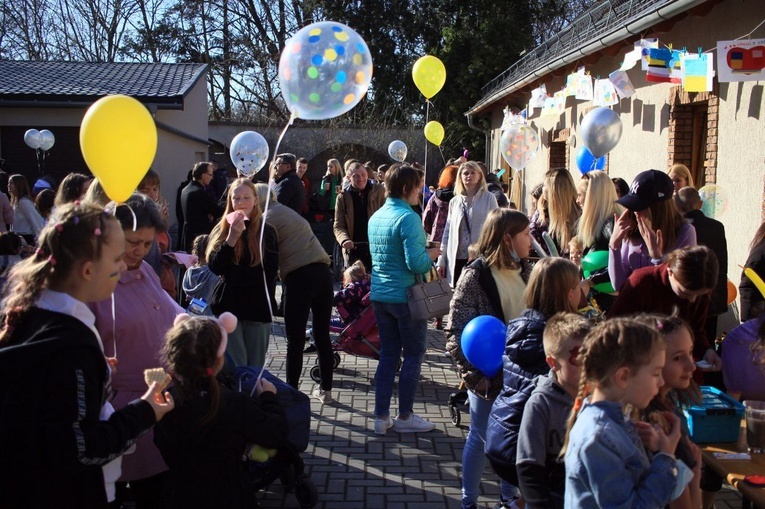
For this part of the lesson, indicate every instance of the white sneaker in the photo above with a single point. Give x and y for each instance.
(323, 396)
(383, 425)
(415, 424)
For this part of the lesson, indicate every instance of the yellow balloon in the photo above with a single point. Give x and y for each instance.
(118, 139)
(434, 132)
(429, 75)
(756, 279)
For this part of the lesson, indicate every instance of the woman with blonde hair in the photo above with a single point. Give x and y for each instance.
(596, 227)
(468, 210)
(560, 192)
(597, 221)
(234, 252)
(330, 181)
(681, 176)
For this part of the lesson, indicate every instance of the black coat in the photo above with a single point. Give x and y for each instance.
(53, 381)
(200, 211)
(290, 191)
(240, 289)
(711, 233)
(206, 469)
(752, 301)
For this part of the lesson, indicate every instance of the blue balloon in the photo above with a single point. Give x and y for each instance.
(586, 162)
(483, 343)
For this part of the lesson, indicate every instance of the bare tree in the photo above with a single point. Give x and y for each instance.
(25, 30)
(92, 30)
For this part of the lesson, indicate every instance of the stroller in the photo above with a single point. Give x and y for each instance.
(286, 464)
(360, 337)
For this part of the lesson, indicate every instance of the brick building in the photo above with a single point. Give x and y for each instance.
(718, 134)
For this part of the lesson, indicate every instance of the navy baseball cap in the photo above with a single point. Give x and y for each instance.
(649, 187)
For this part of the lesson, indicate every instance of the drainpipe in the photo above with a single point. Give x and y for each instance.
(487, 144)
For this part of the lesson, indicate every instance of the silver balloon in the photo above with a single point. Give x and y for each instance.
(249, 152)
(33, 139)
(397, 150)
(48, 140)
(601, 130)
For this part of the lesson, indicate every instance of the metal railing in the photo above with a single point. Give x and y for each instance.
(598, 20)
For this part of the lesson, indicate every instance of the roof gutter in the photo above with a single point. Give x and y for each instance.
(6, 103)
(636, 27)
(487, 148)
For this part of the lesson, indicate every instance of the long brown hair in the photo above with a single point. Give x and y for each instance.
(220, 232)
(664, 216)
(610, 345)
(759, 236)
(68, 240)
(190, 353)
(20, 188)
(695, 267)
(549, 283)
(491, 245)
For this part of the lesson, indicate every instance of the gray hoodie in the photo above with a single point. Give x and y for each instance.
(198, 283)
(541, 475)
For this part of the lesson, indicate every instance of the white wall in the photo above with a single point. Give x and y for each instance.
(643, 145)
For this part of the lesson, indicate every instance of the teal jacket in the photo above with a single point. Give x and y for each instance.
(397, 244)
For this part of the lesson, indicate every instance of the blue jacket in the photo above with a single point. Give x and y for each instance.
(524, 360)
(606, 464)
(397, 245)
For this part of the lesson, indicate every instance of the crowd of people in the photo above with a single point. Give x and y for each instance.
(611, 295)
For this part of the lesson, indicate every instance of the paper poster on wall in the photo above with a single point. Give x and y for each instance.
(560, 101)
(644, 44)
(605, 93)
(622, 83)
(538, 96)
(663, 65)
(571, 82)
(697, 72)
(584, 88)
(636, 55)
(742, 60)
(549, 109)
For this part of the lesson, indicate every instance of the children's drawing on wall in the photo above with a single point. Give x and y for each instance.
(697, 72)
(605, 93)
(663, 65)
(622, 83)
(742, 60)
(584, 88)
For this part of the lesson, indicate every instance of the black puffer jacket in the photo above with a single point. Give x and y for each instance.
(524, 360)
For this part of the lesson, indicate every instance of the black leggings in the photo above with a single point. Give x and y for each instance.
(309, 289)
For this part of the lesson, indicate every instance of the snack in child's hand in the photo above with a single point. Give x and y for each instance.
(156, 375)
(657, 417)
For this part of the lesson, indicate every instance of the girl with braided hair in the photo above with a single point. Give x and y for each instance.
(54, 376)
(605, 452)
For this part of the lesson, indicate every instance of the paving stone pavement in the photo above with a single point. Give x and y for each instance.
(354, 468)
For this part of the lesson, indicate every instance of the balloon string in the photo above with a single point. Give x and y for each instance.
(441, 149)
(263, 220)
(427, 115)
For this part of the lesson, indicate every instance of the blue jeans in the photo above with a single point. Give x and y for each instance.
(473, 457)
(398, 331)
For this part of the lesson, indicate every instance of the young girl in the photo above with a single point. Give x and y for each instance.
(553, 287)
(355, 287)
(55, 377)
(678, 389)
(606, 463)
(204, 440)
(234, 253)
(27, 222)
